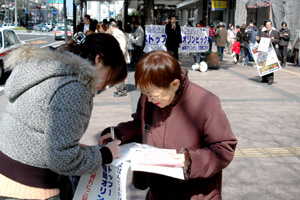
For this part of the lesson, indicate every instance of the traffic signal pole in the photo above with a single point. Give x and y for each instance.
(16, 13)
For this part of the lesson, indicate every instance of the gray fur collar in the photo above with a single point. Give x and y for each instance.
(83, 68)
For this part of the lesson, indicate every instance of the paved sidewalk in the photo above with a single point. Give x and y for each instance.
(265, 119)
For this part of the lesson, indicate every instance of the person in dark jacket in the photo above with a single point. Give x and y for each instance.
(88, 24)
(183, 116)
(174, 39)
(285, 35)
(274, 35)
(241, 35)
(251, 34)
(221, 35)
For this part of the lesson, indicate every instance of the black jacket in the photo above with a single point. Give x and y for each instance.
(284, 41)
(274, 34)
(173, 36)
(80, 27)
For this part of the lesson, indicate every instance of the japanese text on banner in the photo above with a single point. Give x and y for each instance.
(195, 39)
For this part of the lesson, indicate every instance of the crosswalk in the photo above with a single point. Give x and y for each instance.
(35, 33)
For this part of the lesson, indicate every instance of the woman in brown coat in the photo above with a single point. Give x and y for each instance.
(183, 116)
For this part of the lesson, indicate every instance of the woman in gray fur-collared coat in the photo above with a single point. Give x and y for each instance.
(50, 99)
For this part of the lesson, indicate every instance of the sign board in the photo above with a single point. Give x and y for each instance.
(266, 62)
(112, 13)
(219, 5)
(56, 1)
(195, 39)
(45, 12)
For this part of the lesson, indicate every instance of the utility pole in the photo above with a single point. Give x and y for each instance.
(65, 20)
(16, 13)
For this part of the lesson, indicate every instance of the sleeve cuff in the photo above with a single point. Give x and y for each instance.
(187, 162)
(106, 155)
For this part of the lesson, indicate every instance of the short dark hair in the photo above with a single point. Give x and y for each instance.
(87, 17)
(284, 23)
(266, 21)
(113, 24)
(253, 22)
(136, 22)
(107, 47)
(158, 68)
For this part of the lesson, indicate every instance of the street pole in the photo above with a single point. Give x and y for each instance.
(5, 13)
(16, 13)
(298, 50)
(65, 20)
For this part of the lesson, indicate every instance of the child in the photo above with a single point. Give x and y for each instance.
(236, 50)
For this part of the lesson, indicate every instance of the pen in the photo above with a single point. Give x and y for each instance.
(112, 132)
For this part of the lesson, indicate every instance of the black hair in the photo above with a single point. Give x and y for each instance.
(104, 45)
(136, 22)
(87, 17)
(113, 24)
(266, 21)
(253, 22)
(105, 21)
(284, 23)
(237, 26)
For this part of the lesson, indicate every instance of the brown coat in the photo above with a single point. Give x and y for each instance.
(195, 121)
(221, 34)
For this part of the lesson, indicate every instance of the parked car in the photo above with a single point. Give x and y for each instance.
(8, 25)
(8, 42)
(60, 32)
(49, 25)
(41, 27)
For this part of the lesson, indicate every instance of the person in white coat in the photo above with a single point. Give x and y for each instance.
(138, 37)
(121, 38)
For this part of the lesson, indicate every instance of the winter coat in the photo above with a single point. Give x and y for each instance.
(231, 34)
(121, 37)
(173, 36)
(193, 123)
(284, 41)
(221, 34)
(249, 32)
(274, 34)
(236, 48)
(50, 100)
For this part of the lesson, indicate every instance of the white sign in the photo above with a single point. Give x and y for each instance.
(194, 39)
(266, 62)
(109, 182)
(264, 44)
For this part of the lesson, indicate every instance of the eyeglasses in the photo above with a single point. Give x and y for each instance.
(153, 97)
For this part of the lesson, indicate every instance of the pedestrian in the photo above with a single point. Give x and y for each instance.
(296, 50)
(190, 24)
(274, 35)
(102, 28)
(175, 113)
(174, 38)
(241, 36)
(88, 24)
(50, 100)
(231, 35)
(221, 35)
(121, 38)
(284, 35)
(252, 32)
(236, 50)
(137, 40)
(211, 35)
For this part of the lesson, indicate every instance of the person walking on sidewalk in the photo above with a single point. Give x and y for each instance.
(50, 103)
(252, 32)
(241, 36)
(175, 113)
(138, 37)
(231, 35)
(284, 35)
(236, 50)
(211, 35)
(174, 39)
(274, 35)
(121, 38)
(221, 35)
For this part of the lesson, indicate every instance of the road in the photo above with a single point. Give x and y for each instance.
(35, 38)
